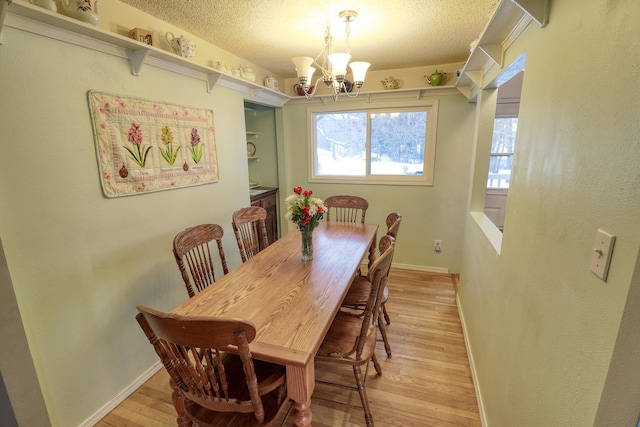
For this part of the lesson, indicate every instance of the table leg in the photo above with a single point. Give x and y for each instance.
(300, 384)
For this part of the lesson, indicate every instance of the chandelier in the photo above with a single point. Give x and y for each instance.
(332, 65)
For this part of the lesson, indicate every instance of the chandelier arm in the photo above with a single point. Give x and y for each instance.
(311, 94)
(352, 94)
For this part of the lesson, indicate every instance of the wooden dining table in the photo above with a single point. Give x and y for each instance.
(291, 303)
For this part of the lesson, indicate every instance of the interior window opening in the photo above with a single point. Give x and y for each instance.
(503, 143)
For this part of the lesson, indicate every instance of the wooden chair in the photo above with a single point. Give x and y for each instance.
(358, 293)
(212, 387)
(193, 245)
(394, 220)
(351, 339)
(251, 231)
(346, 208)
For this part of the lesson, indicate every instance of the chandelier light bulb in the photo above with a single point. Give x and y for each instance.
(303, 64)
(310, 75)
(339, 63)
(359, 70)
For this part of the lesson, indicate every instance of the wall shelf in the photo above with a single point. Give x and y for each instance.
(26, 17)
(416, 93)
(508, 21)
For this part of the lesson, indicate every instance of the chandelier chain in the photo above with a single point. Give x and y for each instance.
(348, 31)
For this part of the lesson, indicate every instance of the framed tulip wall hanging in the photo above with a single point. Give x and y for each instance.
(145, 146)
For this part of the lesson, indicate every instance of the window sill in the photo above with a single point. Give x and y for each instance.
(493, 233)
(371, 181)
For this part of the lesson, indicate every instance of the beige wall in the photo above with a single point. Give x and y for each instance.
(81, 262)
(429, 213)
(542, 328)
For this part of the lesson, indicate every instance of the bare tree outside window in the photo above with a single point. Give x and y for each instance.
(383, 145)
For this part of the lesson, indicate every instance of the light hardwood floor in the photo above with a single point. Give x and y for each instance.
(426, 383)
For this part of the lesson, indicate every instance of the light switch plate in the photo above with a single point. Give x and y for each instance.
(601, 256)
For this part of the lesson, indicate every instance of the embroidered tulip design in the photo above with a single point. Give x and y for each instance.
(168, 153)
(196, 147)
(138, 151)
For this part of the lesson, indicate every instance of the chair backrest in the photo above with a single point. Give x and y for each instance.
(393, 224)
(251, 231)
(193, 245)
(192, 351)
(384, 243)
(346, 208)
(378, 276)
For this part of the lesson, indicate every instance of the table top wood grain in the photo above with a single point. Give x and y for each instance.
(292, 303)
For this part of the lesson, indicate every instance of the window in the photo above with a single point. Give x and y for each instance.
(502, 146)
(383, 145)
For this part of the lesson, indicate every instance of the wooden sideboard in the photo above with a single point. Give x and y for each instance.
(267, 198)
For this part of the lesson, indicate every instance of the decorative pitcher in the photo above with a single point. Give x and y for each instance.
(390, 83)
(436, 78)
(247, 74)
(271, 82)
(222, 66)
(181, 46)
(82, 10)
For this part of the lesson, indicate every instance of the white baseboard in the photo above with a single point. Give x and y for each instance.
(109, 406)
(483, 418)
(439, 270)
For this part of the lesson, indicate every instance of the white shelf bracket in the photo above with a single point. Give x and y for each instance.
(136, 59)
(255, 92)
(212, 80)
(465, 90)
(3, 12)
(537, 9)
(475, 76)
(494, 52)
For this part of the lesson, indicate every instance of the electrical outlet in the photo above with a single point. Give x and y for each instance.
(437, 245)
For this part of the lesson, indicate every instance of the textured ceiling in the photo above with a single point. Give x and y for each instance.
(388, 34)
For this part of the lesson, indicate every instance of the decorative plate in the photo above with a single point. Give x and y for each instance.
(251, 149)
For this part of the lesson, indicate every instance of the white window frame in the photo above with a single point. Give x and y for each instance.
(502, 115)
(426, 179)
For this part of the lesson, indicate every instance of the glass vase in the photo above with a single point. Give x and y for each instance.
(307, 245)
